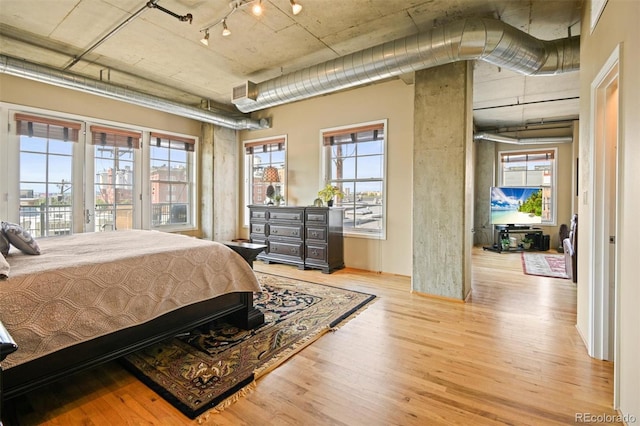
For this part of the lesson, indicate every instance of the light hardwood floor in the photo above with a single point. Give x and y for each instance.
(510, 355)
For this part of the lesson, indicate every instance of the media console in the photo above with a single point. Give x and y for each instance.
(503, 232)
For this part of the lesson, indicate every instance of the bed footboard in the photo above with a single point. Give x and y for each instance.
(236, 307)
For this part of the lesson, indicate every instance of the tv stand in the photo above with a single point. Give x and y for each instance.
(502, 232)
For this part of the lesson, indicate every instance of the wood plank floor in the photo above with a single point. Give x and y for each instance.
(510, 355)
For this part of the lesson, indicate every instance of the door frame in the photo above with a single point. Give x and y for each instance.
(601, 311)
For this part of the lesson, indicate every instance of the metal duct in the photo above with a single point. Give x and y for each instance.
(67, 80)
(487, 40)
(521, 141)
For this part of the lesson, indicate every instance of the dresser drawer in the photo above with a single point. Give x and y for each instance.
(258, 229)
(289, 231)
(258, 239)
(317, 233)
(317, 253)
(285, 249)
(317, 217)
(288, 214)
(258, 214)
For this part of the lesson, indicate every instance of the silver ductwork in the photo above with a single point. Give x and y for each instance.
(486, 40)
(521, 141)
(49, 75)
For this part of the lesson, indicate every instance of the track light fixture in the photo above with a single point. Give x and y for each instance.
(295, 7)
(256, 9)
(225, 30)
(205, 39)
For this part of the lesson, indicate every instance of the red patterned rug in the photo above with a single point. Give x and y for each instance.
(544, 264)
(218, 363)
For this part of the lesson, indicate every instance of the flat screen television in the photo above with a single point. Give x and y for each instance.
(512, 205)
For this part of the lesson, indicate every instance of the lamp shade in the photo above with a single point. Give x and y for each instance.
(271, 175)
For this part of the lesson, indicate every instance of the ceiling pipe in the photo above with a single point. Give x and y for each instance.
(481, 39)
(77, 59)
(521, 141)
(43, 74)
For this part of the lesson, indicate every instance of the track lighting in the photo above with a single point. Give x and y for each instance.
(205, 39)
(295, 7)
(225, 30)
(256, 9)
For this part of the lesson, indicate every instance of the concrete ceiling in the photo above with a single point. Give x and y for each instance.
(158, 54)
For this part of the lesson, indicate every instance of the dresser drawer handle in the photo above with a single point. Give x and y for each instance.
(275, 231)
(315, 234)
(314, 252)
(294, 250)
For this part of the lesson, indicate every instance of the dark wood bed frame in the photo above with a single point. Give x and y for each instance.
(236, 307)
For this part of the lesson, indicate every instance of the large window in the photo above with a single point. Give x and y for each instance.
(46, 184)
(265, 171)
(355, 161)
(62, 175)
(171, 180)
(534, 168)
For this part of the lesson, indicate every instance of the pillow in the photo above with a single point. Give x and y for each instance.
(4, 243)
(20, 238)
(4, 268)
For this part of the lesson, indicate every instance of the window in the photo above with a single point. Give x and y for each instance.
(355, 161)
(172, 180)
(46, 184)
(74, 175)
(114, 177)
(535, 168)
(265, 170)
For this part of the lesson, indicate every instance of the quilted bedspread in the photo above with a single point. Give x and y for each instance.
(84, 286)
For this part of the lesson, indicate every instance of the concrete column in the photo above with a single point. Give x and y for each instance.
(484, 179)
(206, 182)
(443, 181)
(219, 180)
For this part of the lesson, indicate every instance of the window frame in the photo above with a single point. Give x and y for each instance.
(326, 167)
(74, 136)
(248, 169)
(114, 137)
(553, 179)
(192, 180)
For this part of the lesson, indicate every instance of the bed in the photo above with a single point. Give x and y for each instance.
(90, 298)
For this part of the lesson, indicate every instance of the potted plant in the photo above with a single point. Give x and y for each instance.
(504, 243)
(329, 192)
(526, 243)
(278, 199)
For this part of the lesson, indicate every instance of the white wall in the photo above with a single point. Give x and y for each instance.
(618, 26)
(302, 121)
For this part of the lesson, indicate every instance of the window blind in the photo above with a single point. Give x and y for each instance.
(108, 136)
(162, 140)
(47, 128)
(355, 134)
(276, 144)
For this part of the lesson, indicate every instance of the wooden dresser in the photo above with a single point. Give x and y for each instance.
(308, 237)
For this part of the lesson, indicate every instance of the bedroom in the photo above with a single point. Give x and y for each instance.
(392, 256)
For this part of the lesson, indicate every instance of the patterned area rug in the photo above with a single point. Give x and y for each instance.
(218, 363)
(546, 265)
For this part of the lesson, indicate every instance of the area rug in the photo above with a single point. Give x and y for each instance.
(543, 264)
(216, 364)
